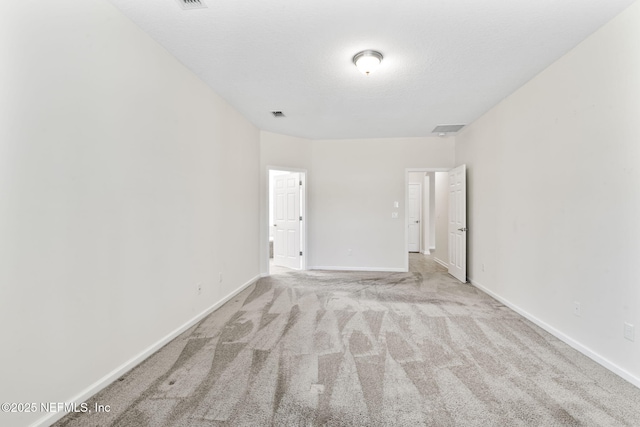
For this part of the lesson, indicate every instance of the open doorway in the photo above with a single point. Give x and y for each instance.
(287, 219)
(426, 215)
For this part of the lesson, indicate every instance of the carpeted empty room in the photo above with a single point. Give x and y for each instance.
(365, 349)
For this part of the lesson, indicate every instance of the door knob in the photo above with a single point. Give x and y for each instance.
(417, 222)
(275, 225)
(463, 229)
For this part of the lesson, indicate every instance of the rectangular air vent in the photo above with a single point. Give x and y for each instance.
(191, 4)
(277, 113)
(447, 128)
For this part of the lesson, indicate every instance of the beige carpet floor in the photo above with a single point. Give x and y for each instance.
(366, 349)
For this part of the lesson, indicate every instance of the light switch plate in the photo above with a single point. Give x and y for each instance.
(629, 331)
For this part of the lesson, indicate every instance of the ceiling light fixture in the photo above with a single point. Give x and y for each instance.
(367, 61)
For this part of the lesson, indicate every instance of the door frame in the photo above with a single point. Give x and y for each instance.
(426, 229)
(420, 214)
(303, 212)
(406, 203)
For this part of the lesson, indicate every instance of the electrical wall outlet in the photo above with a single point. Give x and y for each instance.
(220, 277)
(576, 309)
(629, 331)
(394, 215)
(482, 266)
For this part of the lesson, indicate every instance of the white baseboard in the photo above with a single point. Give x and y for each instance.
(432, 248)
(563, 337)
(426, 252)
(133, 362)
(390, 269)
(442, 263)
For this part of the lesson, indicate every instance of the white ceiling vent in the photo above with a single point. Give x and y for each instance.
(191, 4)
(447, 128)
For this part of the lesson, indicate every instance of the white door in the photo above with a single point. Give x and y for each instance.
(413, 209)
(458, 223)
(426, 217)
(286, 220)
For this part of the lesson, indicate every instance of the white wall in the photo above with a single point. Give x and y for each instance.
(416, 177)
(354, 185)
(554, 196)
(442, 217)
(124, 181)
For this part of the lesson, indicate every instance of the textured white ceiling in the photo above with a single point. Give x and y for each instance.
(445, 61)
